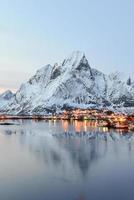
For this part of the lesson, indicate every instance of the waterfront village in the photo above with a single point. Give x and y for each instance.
(103, 118)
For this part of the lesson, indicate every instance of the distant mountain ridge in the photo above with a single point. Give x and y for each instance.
(73, 84)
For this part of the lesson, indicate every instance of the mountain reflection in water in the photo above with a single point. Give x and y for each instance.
(75, 160)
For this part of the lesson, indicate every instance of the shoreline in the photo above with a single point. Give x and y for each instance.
(113, 121)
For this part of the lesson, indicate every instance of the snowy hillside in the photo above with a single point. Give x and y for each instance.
(5, 98)
(71, 84)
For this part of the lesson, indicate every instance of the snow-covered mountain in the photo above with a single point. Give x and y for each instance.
(73, 83)
(5, 98)
(6, 95)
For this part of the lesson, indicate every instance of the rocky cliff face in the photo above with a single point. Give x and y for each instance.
(71, 84)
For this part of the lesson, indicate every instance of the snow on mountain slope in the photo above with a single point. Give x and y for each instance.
(73, 83)
(5, 98)
(119, 91)
(7, 95)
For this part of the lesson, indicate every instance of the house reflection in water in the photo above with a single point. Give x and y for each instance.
(79, 126)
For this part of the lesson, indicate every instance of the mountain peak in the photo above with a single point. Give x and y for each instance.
(74, 58)
(76, 61)
(7, 95)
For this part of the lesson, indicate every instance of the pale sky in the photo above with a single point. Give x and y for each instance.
(34, 33)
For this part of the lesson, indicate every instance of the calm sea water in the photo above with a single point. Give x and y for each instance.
(59, 160)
